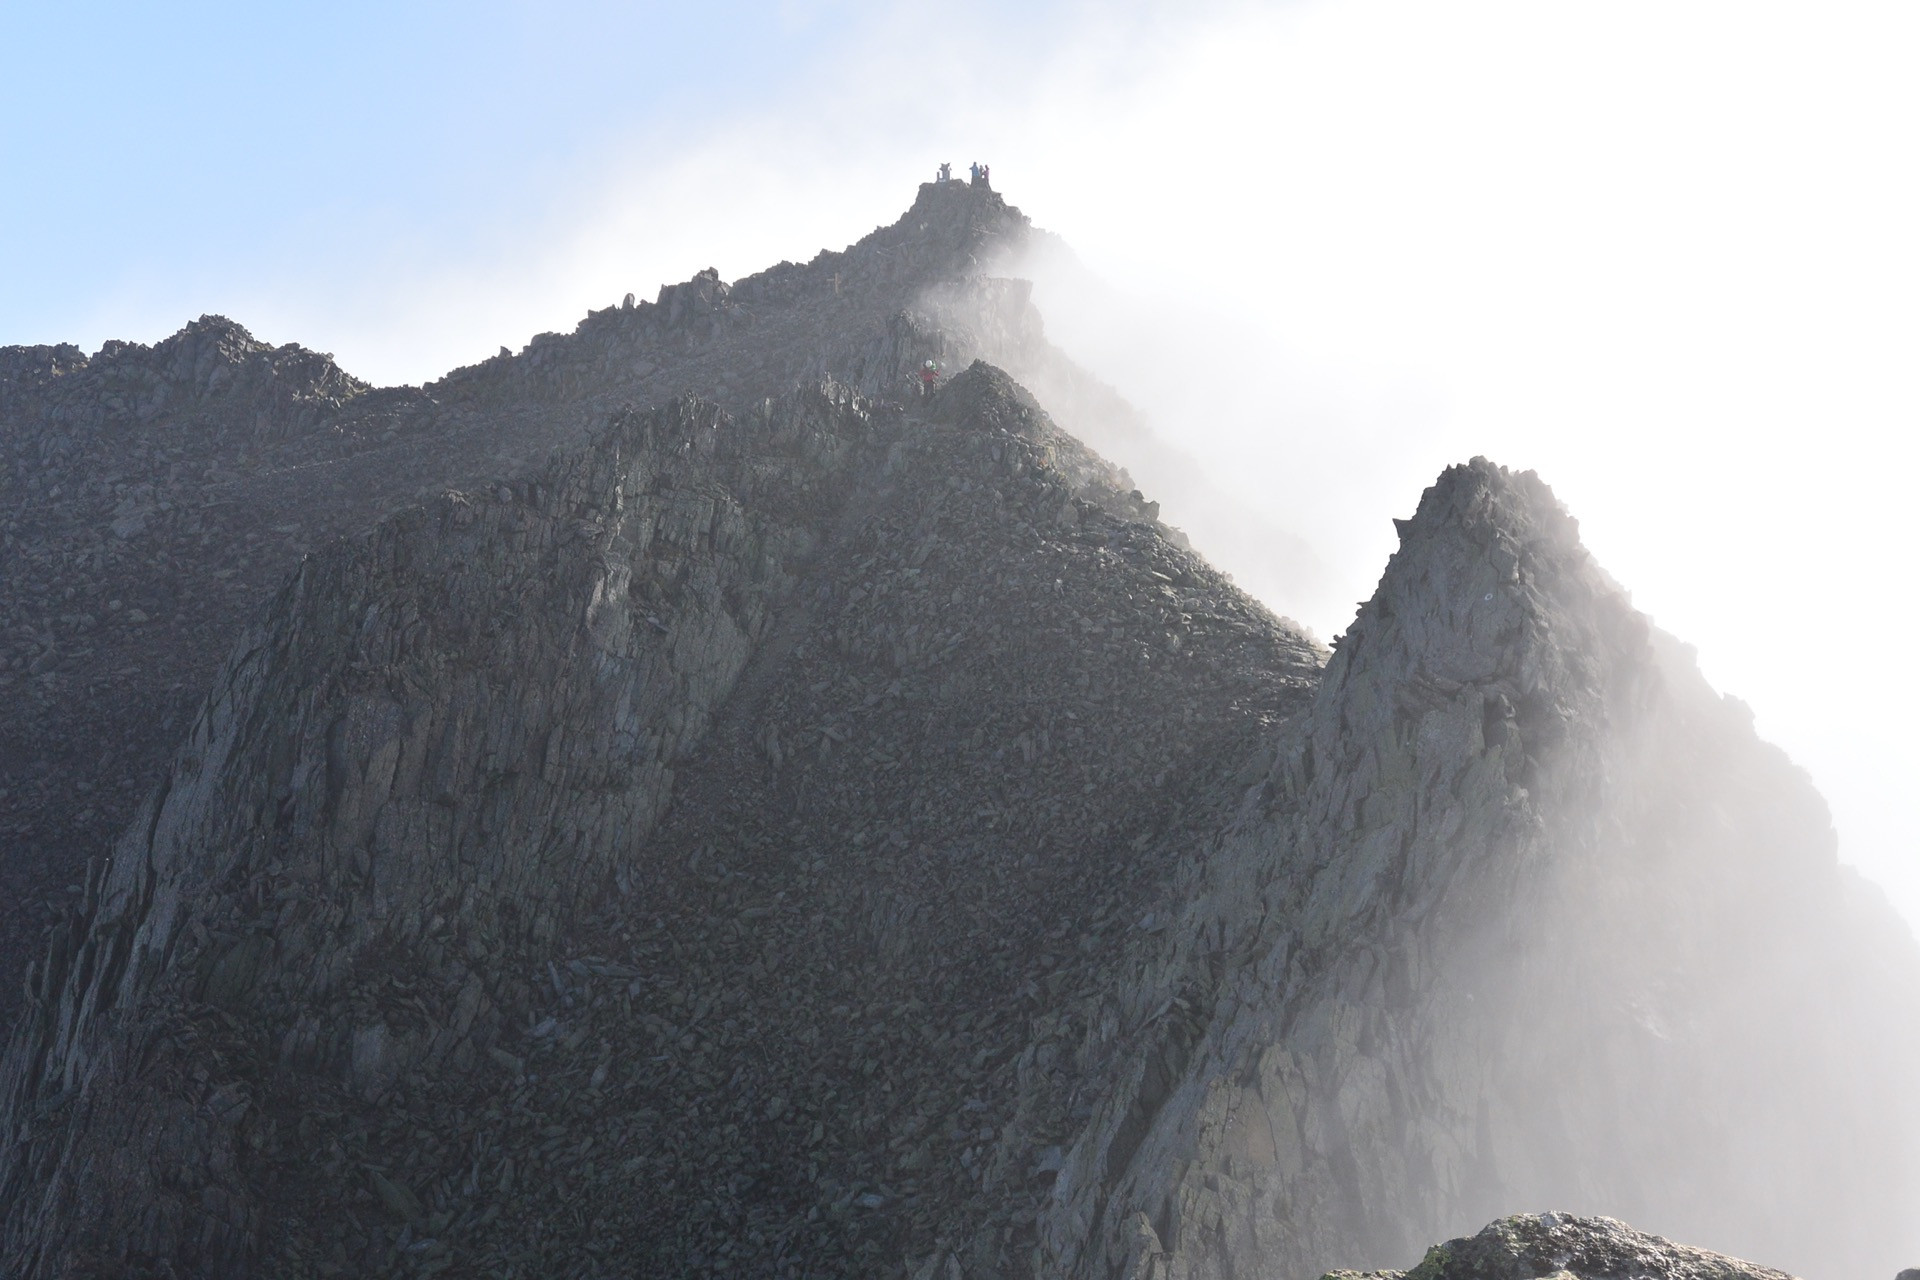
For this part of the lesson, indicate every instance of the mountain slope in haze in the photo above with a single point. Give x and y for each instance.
(807, 832)
(1525, 913)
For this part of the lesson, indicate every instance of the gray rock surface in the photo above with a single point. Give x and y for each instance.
(1553, 1245)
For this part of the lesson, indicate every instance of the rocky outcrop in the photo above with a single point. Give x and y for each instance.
(852, 314)
(212, 364)
(1561, 1245)
(994, 318)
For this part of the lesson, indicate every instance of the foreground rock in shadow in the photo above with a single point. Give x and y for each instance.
(1557, 1245)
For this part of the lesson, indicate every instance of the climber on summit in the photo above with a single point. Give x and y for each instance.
(946, 174)
(974, 171)
(929, 374)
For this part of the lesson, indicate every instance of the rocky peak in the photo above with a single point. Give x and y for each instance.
(986, 396)
(1491, 595)
(1509, 788)
(756, 336)
(697, 297)
(191, 356)
(213, 355)
(965, 220)
(20, 364)
(212, 368)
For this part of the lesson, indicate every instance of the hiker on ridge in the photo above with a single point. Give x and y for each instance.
(973, 172)
(929, 374)
(946, 173)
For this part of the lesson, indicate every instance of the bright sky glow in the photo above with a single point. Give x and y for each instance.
(1664, 253)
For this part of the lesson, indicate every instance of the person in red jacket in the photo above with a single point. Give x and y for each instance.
(929, 374)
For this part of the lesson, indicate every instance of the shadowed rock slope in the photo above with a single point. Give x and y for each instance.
(153, 498)
(1530, 1246)
(402, 967)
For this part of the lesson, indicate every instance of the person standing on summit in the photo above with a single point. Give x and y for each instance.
(946, 174)
(973, 172)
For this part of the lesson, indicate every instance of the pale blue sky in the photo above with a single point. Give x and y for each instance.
(150, 152)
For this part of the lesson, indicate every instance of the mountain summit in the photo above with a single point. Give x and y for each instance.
(677, 801)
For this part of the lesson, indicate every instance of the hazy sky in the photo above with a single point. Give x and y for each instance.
(1665, 253)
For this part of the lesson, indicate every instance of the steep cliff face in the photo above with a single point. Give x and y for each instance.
(1525, 913)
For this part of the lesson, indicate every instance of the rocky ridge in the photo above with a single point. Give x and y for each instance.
(812, 834)
(151, 499)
